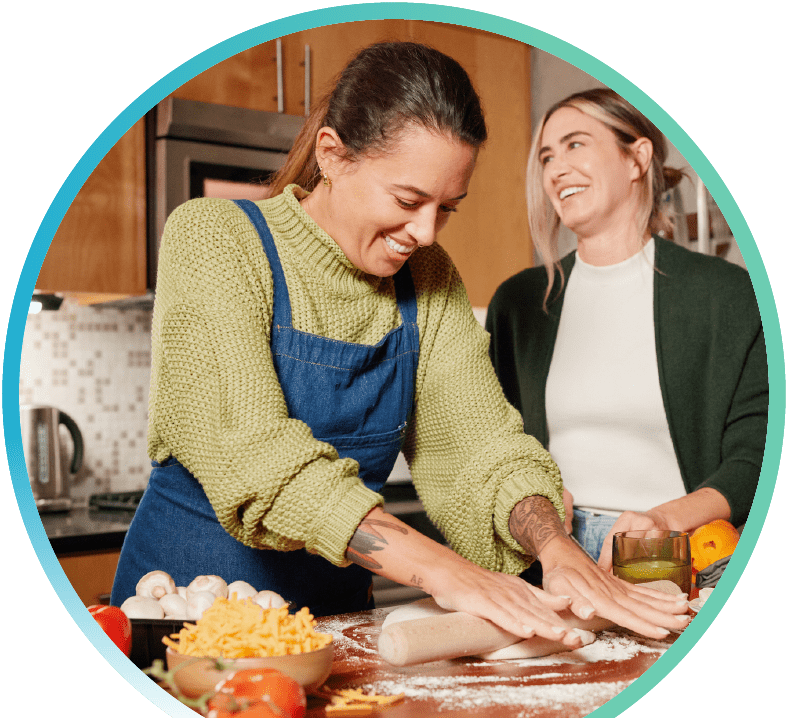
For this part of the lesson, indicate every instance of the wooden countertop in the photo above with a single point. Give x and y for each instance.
(568, 685)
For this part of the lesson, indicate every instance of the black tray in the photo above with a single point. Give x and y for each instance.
(146, 635)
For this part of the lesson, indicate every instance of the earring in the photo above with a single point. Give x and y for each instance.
(326, 178)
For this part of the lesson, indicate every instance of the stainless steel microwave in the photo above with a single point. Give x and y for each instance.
(205, 150)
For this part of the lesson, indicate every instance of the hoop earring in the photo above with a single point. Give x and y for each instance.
(326, 178)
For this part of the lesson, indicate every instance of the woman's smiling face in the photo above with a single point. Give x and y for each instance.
(381, 208)
(591, 183)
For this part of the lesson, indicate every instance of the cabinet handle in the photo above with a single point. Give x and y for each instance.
(280, 85)
(307, 79)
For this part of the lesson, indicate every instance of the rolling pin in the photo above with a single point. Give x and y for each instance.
(457, 634)
(440, 638)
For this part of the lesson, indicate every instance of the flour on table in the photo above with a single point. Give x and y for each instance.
(458, 693)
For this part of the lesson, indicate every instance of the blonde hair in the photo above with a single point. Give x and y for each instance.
(627, 124)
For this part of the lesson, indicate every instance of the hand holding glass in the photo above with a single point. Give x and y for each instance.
(653, 555)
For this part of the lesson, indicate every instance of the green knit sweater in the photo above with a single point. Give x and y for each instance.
(216, 404)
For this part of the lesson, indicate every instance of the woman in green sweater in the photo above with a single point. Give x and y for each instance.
(300, 342)
(639, 364)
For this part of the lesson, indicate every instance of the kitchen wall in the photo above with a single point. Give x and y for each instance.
(94, 364)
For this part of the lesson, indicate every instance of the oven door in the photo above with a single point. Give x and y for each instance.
(186, 170)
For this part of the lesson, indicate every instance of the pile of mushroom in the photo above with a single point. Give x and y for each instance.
(157, 596)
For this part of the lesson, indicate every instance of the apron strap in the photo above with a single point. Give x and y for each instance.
(282, 315)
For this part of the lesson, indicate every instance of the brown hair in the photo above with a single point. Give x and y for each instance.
(384, 88)
(627, 124)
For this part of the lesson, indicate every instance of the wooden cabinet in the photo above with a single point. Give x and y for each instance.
(100, 247)
(91, 574)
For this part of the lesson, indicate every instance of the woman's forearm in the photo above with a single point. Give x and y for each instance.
(534, 523)
(388, 547)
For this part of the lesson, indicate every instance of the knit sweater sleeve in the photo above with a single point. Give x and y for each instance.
(216, 404)
(470, 459)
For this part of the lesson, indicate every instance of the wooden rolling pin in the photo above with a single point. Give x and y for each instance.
(457, 634)
(440, 638)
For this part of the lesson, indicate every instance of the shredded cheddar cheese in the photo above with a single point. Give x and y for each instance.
(353, 701)
(233, 628)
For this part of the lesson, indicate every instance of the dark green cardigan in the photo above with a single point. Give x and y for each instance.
(711, 358)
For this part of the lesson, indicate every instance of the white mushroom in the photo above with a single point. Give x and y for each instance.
(181, 591)
(241, 589)
(215, 584)
(142, 607)
(174, 606)
(155, 584)
(198, 603)
(269, 599)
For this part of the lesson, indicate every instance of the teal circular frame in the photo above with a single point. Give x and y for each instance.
(386, 11)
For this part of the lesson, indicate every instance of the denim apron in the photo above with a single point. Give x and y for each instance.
(356, 397)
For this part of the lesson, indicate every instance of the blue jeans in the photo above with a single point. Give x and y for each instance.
(590, 529)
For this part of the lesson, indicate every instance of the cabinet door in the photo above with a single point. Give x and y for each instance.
(100, 246)
(489, 238)
(91, 574)
(247, 79)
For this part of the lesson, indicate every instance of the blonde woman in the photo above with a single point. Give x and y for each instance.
(639, 364)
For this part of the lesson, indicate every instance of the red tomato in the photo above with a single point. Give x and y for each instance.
(258, 693)
(115, 624)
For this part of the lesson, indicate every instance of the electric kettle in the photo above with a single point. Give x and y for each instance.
(50, 474)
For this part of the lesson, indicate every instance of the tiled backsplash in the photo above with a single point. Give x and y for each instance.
(94, 364)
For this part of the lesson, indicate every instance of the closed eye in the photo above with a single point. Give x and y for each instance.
(445, 208)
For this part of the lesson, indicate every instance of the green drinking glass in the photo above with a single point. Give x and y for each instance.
(653, 555)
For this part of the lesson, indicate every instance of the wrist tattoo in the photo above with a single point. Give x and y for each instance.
(534, 522)
(368, 539)
(416, 581)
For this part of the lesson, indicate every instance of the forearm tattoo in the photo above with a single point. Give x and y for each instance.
(368, 539)
(534, 522)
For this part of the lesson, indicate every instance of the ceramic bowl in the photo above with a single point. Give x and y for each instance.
(196, 676)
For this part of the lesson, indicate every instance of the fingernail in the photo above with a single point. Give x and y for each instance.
(558, 630)
(664, 632)
(683, 603)
(686, 619)
(568, 598)
(586, 612)
(528, 629)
